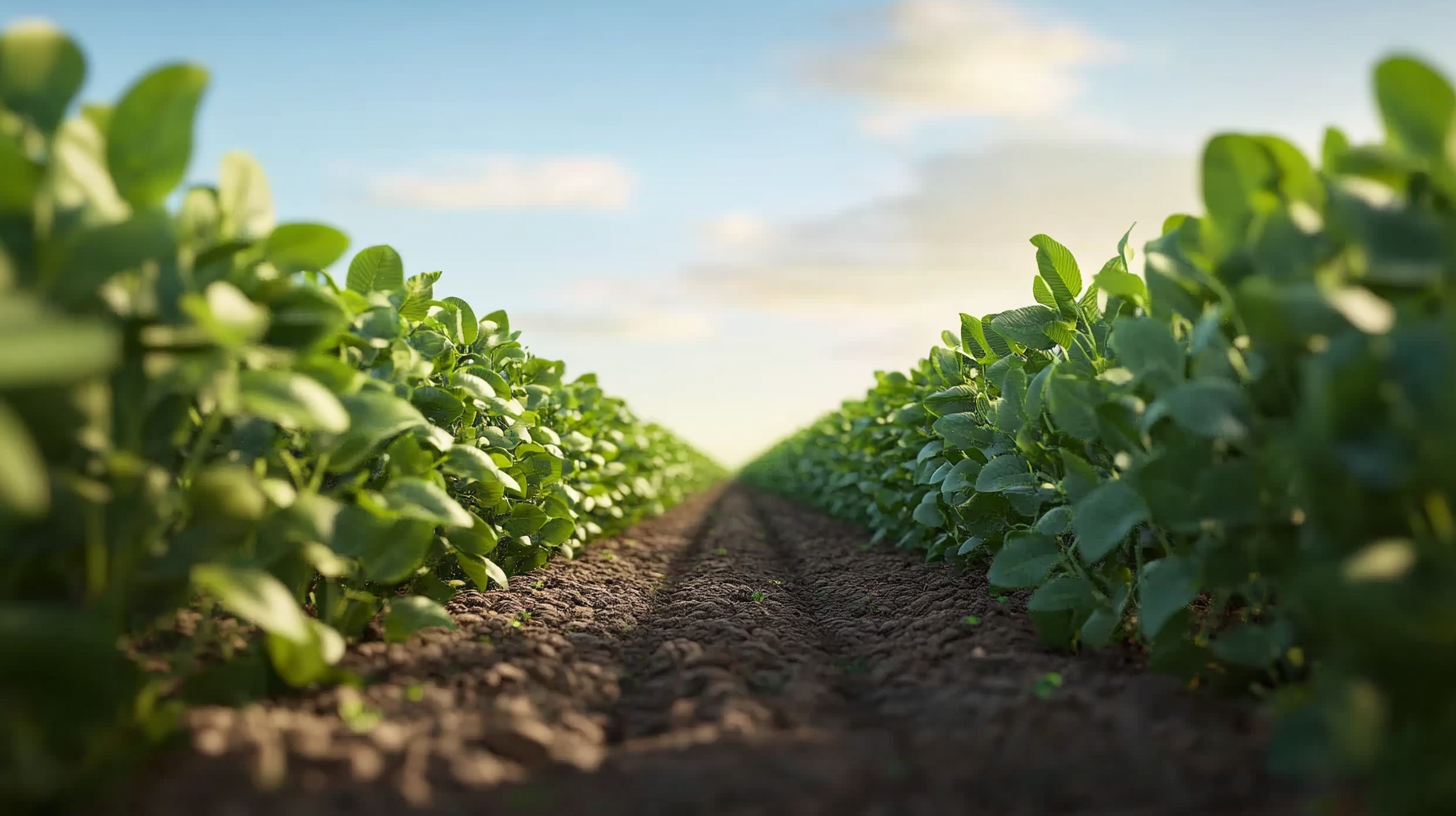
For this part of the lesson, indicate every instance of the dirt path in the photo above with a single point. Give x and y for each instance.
(739, 655)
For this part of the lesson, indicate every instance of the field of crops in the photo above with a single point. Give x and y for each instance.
(228, 477)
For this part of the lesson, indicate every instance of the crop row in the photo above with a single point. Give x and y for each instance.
(195, 417)
(1241, 460)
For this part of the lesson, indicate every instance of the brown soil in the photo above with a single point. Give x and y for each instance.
(652, 677)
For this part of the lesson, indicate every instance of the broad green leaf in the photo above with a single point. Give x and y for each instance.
(1007, 472)
(1147, 348)
(1417, 105)
(25, 484)
(376, 269)
(412, 613)
(1058, 268)
(41, 69)
(995, 341)
(255, 596)
(954, 400)
(469, 323)
(93, 255)
(1056, 521)
(149, 138)
(246, 201)
(1235, 169)
(1167, 585)
(54, 350)
(959, 431)
(305, 247)
(437, 405)
(374, 418)
(1251, 645)
(1036, 393)
(1116, 281)
(556, 531)
(226, 315)
(525, 520)
(426, 501)
(20, 179)
(1026, 325)
(1024, 561)
(928, 512)
(292, 401)
(300, 663)
(1042, 294)
(473, 463)
(962, 476)
(1072, 402)
(1061, 593)
(1103, 622)
(1104, 518)
(481, 570)
(395, 551)
(1215, 409)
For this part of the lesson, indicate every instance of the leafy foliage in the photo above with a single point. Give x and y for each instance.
(193, 414)
(1241, 460)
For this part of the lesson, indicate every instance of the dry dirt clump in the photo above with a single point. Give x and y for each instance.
(739, 655)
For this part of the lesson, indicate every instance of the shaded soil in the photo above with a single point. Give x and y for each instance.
(739, 655)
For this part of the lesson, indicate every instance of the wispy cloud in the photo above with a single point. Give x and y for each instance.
(629, 310)
(924, 60)
(737, 231)
(958, 240)
(507, 182)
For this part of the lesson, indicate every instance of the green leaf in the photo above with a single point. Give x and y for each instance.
(1417, 105)
(1116, 281)
(395, 551)
(1102, 623)
(960, 431)
(1147, 348)
(1058, 268)
(376, 269)
(473, 463)
(962, 476)
(1216, 409)
(1166, 586)
(149, 140)
(246, 201)
(1042, 294)
(49, 350)
(305, 247)
(412, 613)
(1006, 472)
(20, 180)
(1027, 326)
(292, 401)
(41, 69)
(25, 485)
(928, 512)
(254, 595)
(374, 418)
(482, 570)
(424, 500)
(300, 663)
(469, 323)
(1104, 518)
(1025, 561)
(93, 255)
(954, 400)
(1073, 402)
(1235, 168)
(525, 520)
(1062, 593)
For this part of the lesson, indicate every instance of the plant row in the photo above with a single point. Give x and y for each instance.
(195, 416)
(1241, 459)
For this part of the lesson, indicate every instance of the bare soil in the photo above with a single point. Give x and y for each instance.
(739, 655)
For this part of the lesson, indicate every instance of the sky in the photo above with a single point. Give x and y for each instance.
(734, 213)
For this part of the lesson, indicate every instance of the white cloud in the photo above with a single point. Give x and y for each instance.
(507, 182)
(933, 59)
(630, 310)
(737, 230)
(959, 239)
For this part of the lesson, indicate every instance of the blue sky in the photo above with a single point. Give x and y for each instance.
(735, 212)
